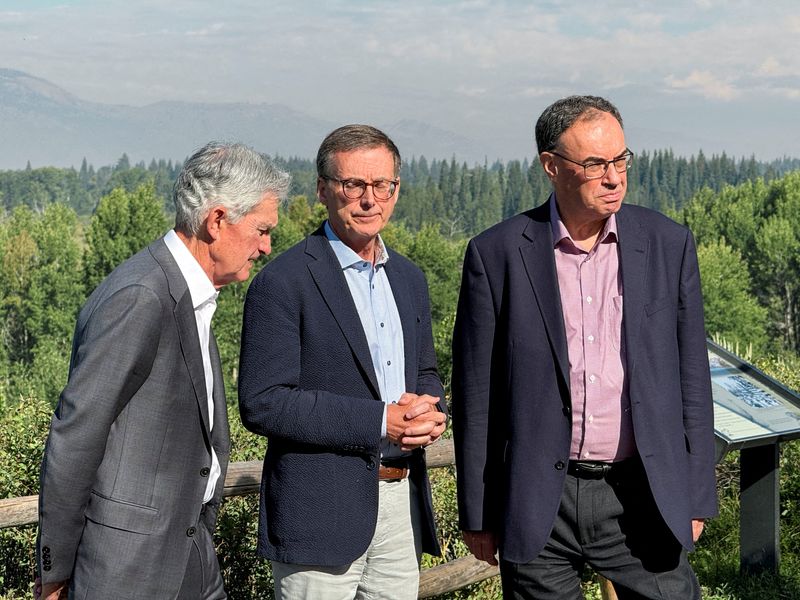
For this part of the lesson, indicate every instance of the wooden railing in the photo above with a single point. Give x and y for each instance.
(245, 478)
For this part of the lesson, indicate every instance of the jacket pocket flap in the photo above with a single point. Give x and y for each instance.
(121, 515)
(657, 305)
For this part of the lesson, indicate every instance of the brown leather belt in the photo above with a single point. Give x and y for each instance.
(392, 473)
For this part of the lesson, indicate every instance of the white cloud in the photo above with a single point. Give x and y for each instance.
(205, 31)
(705, 84)
(471, 92)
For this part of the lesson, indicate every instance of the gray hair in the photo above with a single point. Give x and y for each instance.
(353, 137)
(562, 114)
(224, 174)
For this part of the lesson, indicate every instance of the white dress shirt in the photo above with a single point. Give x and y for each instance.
(204, 301)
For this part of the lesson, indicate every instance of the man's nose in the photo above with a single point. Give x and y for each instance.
(612, 176)
(368, 199)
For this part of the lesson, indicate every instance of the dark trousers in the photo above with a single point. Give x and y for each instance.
(613, 525)
(203, 580)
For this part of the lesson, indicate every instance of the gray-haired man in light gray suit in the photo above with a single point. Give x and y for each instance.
(135, 463)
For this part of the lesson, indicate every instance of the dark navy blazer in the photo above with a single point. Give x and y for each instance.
(511, 400)
(307, 383)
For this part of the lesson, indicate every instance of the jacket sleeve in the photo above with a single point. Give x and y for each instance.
(272, 401)
(473, 339)
(113, 354)
(428, 380)
(698, 409)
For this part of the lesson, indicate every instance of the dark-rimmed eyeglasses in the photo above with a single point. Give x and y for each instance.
(596, 169)
(382, 189)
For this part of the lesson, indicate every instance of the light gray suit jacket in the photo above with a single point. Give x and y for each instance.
(128, 456)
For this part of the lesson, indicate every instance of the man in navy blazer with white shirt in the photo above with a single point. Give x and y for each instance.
(582, 408)
(338, 370)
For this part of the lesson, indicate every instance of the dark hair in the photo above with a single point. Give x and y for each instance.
(562, 114)
(353, 137)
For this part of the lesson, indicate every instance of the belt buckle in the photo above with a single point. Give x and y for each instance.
(591, 470)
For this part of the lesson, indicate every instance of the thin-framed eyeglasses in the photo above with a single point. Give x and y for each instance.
(596, 169)
(382, 189)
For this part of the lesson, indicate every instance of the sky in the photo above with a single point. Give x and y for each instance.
(716, 75)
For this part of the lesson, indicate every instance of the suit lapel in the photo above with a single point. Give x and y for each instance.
(220, 434)
(633, 247)
(186, 323)
(408, 319)
(329, 279)
(540, 266)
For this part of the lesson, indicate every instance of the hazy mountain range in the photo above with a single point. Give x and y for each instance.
(46, 125)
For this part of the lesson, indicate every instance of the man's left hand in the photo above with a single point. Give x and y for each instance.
(425, 422)
(697, 528)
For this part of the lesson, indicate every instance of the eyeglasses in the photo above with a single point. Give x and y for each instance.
(382, 189)
(597, 169)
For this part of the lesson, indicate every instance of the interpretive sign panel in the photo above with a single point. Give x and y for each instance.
(750, 409)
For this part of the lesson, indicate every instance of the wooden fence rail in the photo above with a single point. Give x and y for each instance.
(245, 478)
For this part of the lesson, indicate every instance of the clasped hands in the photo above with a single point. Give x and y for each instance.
(414, 421)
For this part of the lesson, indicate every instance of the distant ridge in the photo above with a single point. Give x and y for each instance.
(48, 126)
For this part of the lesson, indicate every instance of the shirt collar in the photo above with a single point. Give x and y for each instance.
(348, 257)
(560, 230)
(200, 286)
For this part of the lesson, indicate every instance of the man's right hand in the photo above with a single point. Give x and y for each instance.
(50, 591)
(482, 544)
(414, 421)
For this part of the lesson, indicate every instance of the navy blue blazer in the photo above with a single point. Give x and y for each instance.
(511, 401)
(307, 383)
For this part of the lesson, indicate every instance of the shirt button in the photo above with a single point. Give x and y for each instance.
(585, 455)
(591, 418)
(364, 265)
(381, 324)
(592, 378)
(589, 299)
(389, 363)
(590, 338)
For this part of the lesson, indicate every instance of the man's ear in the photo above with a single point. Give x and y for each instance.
(322, 191)
(549, 165)
(214, 222)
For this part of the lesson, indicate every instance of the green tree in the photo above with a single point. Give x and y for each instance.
(41, 294)
(775, 265)
(731, 311)
(123, 224)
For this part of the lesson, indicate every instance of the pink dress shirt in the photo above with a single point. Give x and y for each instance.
(590, 284)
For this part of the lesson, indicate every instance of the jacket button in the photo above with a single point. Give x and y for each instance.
(204, 472)
(371, 465)
(559, 466)
(46, 549)
(46, 567)
(190, 531)
(566, 410)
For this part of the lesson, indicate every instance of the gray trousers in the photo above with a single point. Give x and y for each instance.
(388, 570)
(614, 526)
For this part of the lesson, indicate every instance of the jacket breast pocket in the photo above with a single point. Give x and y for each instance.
(121, 515)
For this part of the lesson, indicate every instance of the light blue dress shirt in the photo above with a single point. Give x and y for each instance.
(372, 294)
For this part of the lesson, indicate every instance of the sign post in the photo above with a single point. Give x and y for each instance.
(753, 413)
